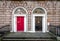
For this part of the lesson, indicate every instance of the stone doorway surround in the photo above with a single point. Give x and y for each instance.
(14, 19)
(44, 19)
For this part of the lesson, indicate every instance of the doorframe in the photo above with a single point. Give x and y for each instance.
(43, 22)
(15, 22)
(45, 17)
(13, 13)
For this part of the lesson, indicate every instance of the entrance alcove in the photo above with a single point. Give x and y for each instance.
(19, 20)
(39, 19)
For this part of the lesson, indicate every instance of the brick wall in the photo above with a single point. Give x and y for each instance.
(52, 7)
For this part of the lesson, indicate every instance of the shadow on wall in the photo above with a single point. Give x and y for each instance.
(55, 29)
(4, 29)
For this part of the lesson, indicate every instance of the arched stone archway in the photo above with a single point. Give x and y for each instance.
(39, 15)
(19, 19)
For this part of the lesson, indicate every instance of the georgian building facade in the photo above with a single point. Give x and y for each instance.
(29, 16)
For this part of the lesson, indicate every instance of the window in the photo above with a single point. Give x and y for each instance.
(20, 11)
(38, 11)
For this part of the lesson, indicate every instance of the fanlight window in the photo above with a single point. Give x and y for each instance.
(38, 11)
(20, 11)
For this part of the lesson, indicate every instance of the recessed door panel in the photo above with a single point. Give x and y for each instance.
(20, 23)
(38, 23)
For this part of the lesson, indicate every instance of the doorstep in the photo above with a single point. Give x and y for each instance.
(58, 38)
(27, 36)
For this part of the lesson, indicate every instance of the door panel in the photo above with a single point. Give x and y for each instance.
(20, 23)
(38, 23)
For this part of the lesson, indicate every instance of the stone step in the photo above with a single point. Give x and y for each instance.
(29, 40)
(29, 37)
(0, 35)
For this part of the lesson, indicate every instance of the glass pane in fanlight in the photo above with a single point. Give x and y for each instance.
(38, 11)
(20, 11)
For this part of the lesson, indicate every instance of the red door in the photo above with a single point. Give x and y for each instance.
(20, 23)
